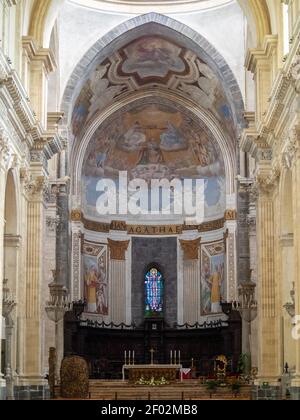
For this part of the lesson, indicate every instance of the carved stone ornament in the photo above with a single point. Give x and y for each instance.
(76, 215)
(190, 249)
(230, 215)
(5, 152)
(37, 186)
(266, 182)
(118, 249)
(52, 223)
(291, 149)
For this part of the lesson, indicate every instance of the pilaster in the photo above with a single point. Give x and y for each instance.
(118, 280)
(191, 281)
(269, 362)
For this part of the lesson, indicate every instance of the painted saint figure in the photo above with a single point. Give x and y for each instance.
(215, 282)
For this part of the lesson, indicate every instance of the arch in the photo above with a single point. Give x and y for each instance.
(256, 11)
(163, 26)
(226, 146)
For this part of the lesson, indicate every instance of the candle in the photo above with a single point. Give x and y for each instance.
(125, 357)
(179, 356)
(133, 357)
(175, 356)
(171, 357)
(130, 357)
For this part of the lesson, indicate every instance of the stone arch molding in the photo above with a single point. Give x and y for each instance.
(80, 147)
(44, 13)
(129, 31)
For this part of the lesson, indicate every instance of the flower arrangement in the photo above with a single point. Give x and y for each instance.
(152, 382)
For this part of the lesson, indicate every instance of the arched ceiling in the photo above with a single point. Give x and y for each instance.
(158, 63)
(44, 13)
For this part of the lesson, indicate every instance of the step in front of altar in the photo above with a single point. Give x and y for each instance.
(191, 390)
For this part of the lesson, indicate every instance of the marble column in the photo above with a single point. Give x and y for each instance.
(117, 280)
(269, 322)
(191, 281)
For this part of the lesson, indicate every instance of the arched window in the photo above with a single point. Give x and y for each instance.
(154, 289)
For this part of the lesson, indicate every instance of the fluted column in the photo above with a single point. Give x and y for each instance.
(268, 313)
(117, 251)
(191, 281)
(34, 272)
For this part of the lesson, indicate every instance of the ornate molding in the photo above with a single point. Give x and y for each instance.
(76, 215)
(37, 187)
(190, 249)
(5, 150)
(118, 249)
(267, 180)
(230, 215)
(52, 223)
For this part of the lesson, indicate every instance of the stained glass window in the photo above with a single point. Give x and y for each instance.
(154, 294)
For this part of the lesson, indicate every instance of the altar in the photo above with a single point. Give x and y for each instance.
(148, 372)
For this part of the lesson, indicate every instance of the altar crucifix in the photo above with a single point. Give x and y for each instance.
(152, 351)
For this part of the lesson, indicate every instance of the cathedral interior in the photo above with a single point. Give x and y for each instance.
(106, 105)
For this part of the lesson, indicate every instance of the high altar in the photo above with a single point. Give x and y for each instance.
(148, 372)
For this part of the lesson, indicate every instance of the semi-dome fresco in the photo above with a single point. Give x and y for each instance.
(154, 140)
(156, 62)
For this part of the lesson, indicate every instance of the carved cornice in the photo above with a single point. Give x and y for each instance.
(190, 249)
(39, 55)
(118, 249)
(261, 55)
(21, 117)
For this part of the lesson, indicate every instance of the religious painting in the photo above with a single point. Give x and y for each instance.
(213, 282)
(152, 140)
(152, 61)
(152, 56)
(95, 278)
(154, 289)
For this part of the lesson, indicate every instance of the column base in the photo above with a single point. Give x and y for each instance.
(263, 392)
(32, 388)
(2, 389)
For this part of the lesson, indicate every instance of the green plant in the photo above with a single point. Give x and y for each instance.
(236, 388)
(244, 364)
(211, 386)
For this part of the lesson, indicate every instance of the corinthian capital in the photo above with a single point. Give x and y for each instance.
(267, 181)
